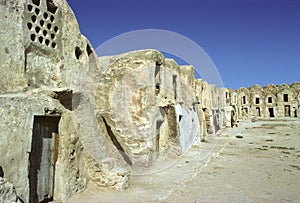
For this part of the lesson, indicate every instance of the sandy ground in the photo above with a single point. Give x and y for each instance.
(255, 162)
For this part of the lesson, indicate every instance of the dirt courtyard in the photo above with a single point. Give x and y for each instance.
(254, 162)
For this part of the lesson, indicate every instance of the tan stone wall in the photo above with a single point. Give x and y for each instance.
(12, 49)
(41, 59)
(141, 87)
(270, 101)
(130, 112)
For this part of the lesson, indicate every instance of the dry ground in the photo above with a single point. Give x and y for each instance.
(255, 162)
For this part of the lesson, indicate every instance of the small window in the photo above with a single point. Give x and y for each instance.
(257, 100)
(269, 99)
(285, 97)
(78, 52)
(180, 117)
(89, 49)
(244, 99)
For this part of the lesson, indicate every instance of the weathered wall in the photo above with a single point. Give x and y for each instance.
(38, 49)
(142, 87)
(7, 192)
(119, 114)
(44, 61)
(16, 136)
(269, 101)
(12, 58)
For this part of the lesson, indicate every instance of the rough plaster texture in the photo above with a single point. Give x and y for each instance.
(270, 101)
(119, 115)
(142, 87)
(7, 192)
(43, 62)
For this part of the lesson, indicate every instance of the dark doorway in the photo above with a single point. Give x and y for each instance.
(244, 99)
(42, 158)
(271, 112)
(287, 110)
(257, 111)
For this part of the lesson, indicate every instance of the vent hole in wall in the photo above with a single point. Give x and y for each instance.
(53, 45)
(36, 2)
(52, 19)
(46, 16)
(47, 42)
(78, 52)
(42, 23)
(33, 37)
(37, 29)
(37, 11)
(29, 25)
(45, 33)
(41, 40)
(29, 7)
(56, 29)
(53, 36)
(49, 26)
(33, 18)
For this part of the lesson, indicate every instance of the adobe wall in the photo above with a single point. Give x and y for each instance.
(270, 101)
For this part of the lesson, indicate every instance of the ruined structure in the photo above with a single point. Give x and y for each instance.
(70, 118)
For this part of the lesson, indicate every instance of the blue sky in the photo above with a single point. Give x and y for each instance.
(250, 41)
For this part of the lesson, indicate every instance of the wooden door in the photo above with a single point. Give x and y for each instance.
(42, 163)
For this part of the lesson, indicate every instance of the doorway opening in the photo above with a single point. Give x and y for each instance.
(285, 97)
(244, 100)
(271, 112)
(257, 111)
(287, 110)
(42, 158)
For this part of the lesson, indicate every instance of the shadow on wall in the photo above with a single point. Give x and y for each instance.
(1, 172)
